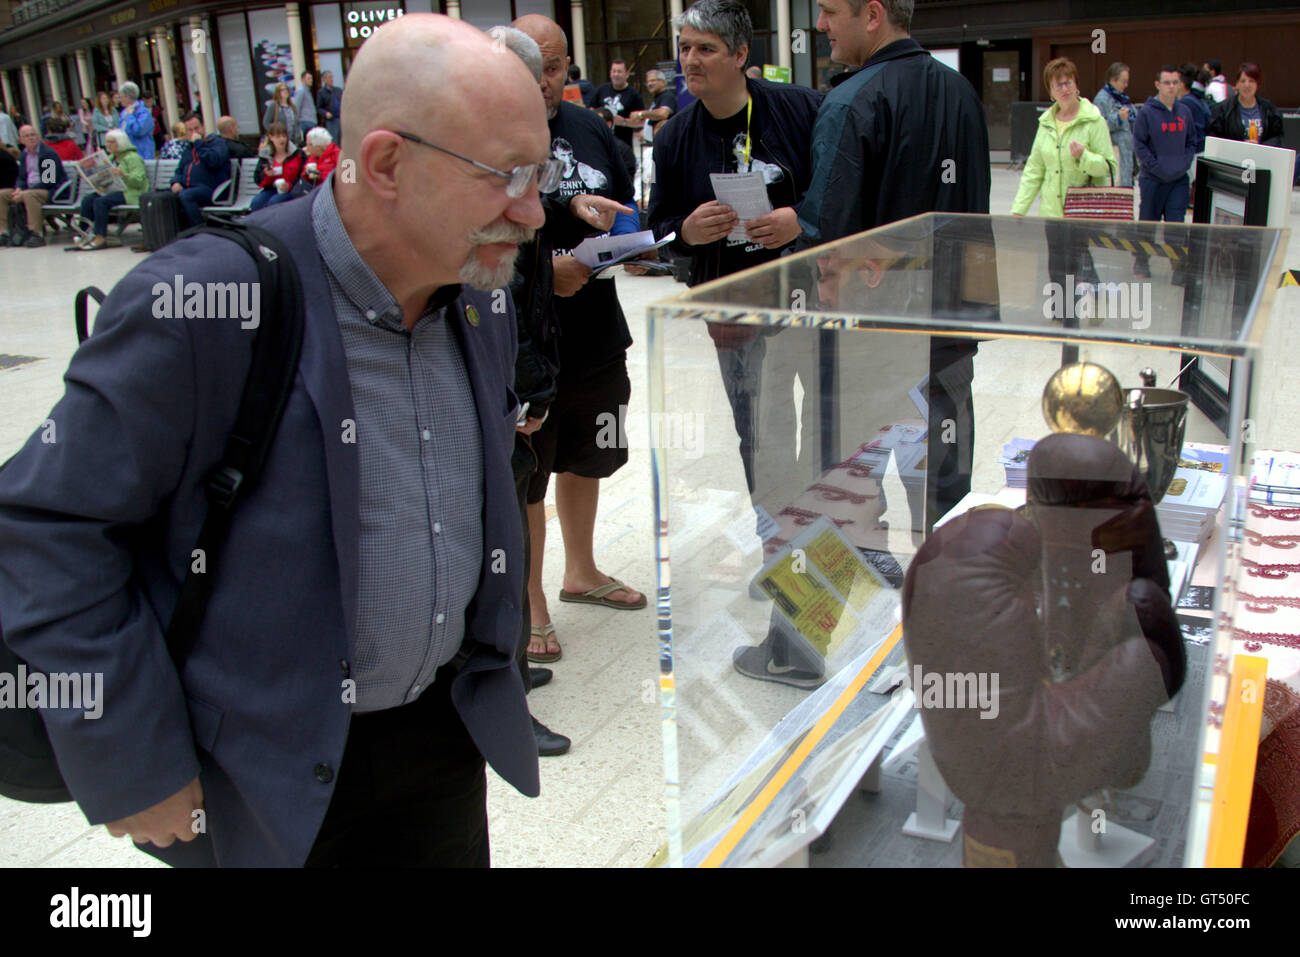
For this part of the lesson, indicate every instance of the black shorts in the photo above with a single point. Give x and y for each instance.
(583, 433)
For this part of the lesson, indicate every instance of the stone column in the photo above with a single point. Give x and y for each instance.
(30, 95)
(295, 42)
(674, 11)
(204, 78)
(83, 75)
(453, 9)
(785, 57)
(579, 50)
(56, 82)
(171, 110)
(118, 53)
(10, 100)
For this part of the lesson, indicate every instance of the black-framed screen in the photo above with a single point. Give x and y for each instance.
(1227, 194)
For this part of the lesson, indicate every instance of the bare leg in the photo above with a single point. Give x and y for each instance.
(576, 498)
(538, 613)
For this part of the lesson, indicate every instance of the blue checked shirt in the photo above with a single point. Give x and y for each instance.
(421, 457)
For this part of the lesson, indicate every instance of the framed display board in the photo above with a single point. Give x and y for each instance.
(1227, 194)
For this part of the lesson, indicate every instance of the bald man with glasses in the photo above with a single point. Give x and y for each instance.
(356, 663)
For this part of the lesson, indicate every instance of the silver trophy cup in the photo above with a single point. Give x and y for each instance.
(1151, 432)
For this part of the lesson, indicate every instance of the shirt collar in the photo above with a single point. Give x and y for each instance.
(356, 279)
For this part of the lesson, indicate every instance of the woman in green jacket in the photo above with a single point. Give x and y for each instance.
(1072, 148)
(129, 173)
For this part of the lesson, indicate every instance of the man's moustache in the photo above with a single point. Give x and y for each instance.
(504, 233)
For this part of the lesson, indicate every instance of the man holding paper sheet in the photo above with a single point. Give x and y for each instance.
(732, 167)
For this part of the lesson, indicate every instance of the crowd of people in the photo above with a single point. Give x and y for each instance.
(423, 429)
(1111, 140)
(292, 157)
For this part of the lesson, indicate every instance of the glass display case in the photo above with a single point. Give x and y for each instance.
(904, 620)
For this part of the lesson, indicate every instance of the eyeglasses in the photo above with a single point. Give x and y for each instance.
(1064, 84)
(548, 174)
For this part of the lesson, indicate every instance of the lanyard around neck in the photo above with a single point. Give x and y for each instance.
(749, 114)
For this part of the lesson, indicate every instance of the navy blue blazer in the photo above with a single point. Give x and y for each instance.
(101, 508)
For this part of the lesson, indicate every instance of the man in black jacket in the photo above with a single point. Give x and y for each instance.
(743, 126)
(898, 136)
(537, 362)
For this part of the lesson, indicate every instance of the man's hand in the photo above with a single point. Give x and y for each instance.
(176, 187)
(531, 426)
(1076, 148)
(570, 275)
(650, 254)
(597, 211)
(1123, 112)
(15, 195)
(775, 229)
(164, 822)
(709, 223)
(728, 336)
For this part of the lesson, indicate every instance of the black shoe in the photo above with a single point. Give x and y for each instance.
(4, 239)
(34, 241)
(549, 744)
(539, 676)
(757, 663)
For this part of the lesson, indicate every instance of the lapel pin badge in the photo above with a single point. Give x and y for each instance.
(471, 314)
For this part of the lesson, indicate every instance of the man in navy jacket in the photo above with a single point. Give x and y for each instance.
(276, 727)
(40, 174)
(204, 165)
(1164, 137)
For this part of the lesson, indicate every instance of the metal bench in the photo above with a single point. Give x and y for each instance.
(235, 195)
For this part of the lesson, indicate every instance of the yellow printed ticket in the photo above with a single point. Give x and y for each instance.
(844, 569)
(812, 608)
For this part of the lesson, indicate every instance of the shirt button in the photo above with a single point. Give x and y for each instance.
(371, 314)
(437, 528)
(324, 773)
(415, 690)
(425, 435)
(441, 618)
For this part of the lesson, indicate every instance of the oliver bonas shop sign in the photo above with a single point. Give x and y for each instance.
(362, 23)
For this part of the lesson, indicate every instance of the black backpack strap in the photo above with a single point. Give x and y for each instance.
(276, 348)
(81, 309)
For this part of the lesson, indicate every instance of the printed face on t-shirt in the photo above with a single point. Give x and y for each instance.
(577, 177)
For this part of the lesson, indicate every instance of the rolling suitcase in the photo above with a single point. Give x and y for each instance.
(160, 218)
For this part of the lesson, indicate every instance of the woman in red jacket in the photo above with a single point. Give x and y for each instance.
(322, 155)
(277, 173)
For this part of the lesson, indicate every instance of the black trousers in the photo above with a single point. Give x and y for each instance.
(411, 791)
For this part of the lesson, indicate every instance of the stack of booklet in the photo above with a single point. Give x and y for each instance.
(1275, 478)
(907, 444)
(1015, 459)
(1191, 505)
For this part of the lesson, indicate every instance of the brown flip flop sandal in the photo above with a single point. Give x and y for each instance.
(544, 632)
(597, 596)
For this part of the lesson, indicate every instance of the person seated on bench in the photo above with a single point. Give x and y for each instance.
(204, 165)
(229, 130)
(40, 174)
(174, 148)
(322, 156)
(129, 173)
(58, 139)
(278, 169)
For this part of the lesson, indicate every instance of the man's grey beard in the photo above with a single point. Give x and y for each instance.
(474, 273)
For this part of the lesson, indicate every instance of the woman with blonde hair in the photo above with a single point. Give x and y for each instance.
(1072, 148)
(280, 110)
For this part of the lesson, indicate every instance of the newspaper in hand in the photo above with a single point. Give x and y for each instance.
(98, 171)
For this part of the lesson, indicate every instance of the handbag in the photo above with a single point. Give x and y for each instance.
(1100, 202)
